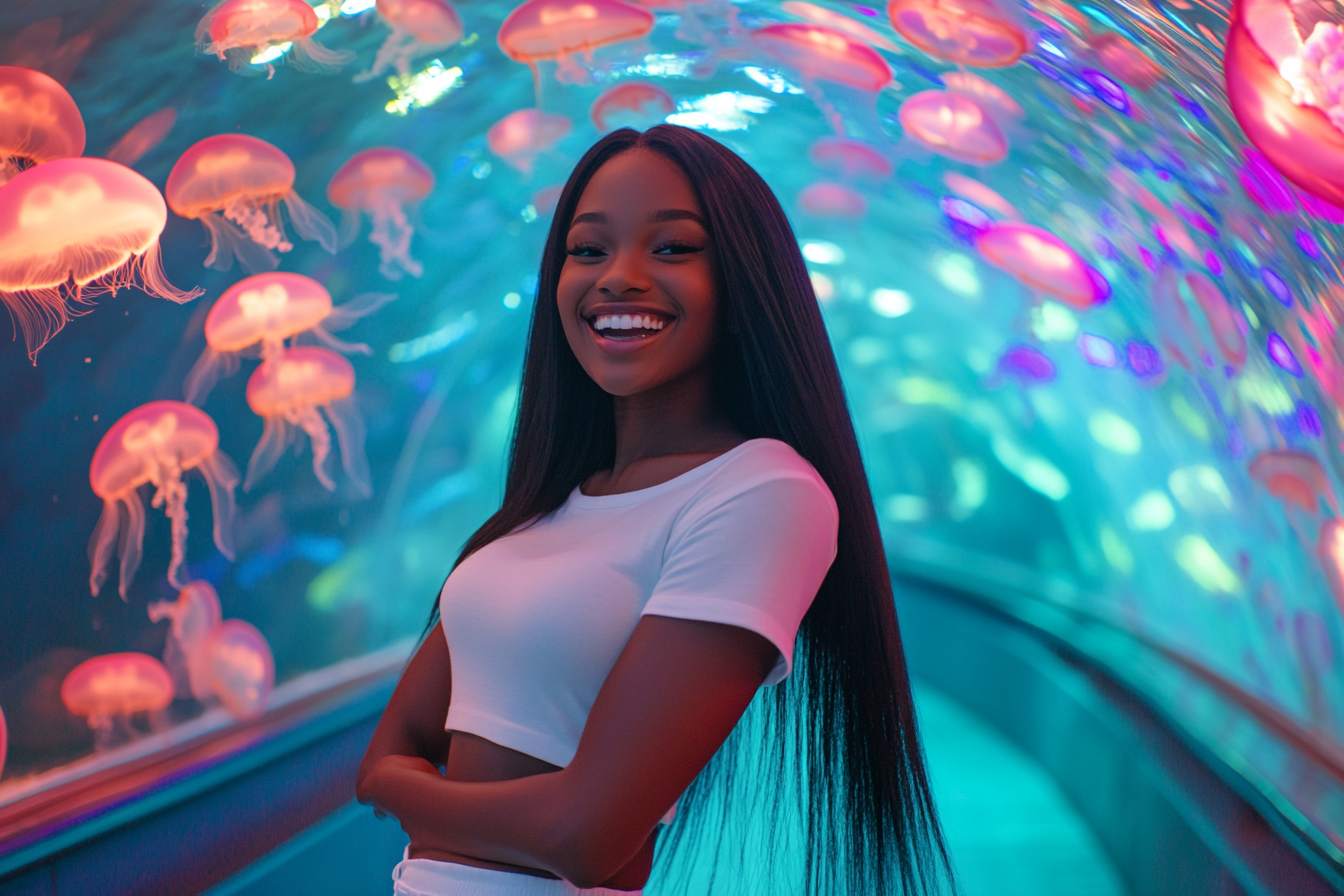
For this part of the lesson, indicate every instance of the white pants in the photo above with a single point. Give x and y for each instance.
(426, 877)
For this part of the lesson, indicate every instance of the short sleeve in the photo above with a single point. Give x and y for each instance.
(753, 555)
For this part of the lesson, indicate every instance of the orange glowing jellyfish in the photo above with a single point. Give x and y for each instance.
(970, 32)
(234, 185)
(194, 614)
(831, 200)
(953, 125)
(991, 97)
(1285, 91)
(418, 27)
(1040, 260)
(851, 159)
(72, 229)
(242, 30)
(156, 443)
(1126, 62)
(824, 54)
(259, 313)
(631, 104)
(240, 668)
(146, 134)
(519, 137)
(288, 391)
(38, 121)
(109, 688)
(557, 29)
(973, 191)
(381, 183)
(819, 15)
(1294, 477)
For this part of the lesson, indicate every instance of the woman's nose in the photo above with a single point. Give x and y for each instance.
(625, 273)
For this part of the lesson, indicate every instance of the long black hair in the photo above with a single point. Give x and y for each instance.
(844, 722)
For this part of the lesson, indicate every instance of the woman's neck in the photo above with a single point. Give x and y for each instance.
(679, 417)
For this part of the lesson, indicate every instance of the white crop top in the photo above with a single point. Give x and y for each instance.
(536, 619)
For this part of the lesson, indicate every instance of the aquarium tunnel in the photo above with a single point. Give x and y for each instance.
(271, 264)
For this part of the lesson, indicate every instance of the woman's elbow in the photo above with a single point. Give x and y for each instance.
(587, 857)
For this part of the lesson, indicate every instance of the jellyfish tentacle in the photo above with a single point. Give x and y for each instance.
(221, 477)
(243, 211)
(131, 544)
(210, 368)
(392, 235)
(310, 421)
(172, 495)
(40, 314)
(274, 437)
(343, 316)
(102, 543)
(349, 425)
(307, 55)
(348, 231)
(309, 223)
(322, 335)
(227, 241)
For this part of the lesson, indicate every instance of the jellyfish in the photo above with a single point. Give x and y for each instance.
(953, 125)
(381, 183)
(194, 614)
(1026, 365)
(969, 32)
(72, 229)
(260, 312)
(851, 159)
(240, 668)
(819, 15)
(234, 185)
(1294, 477)
(825, 199)
(1040, 260)
(418, 27)
(989, 96)
(156, 443)
(519, 137)
(143, 136)
(288, 391)
(1330, 553)
(1225, 323)
(38, 121)
(1118, 55)
(1284, 89)
(631, 104)
(824, 54)
(557, 29)
(972, 190)
(108, 689)
(241, 30)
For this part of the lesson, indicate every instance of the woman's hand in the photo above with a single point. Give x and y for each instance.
(394, 780)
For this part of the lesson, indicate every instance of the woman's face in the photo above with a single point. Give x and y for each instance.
(637, 291)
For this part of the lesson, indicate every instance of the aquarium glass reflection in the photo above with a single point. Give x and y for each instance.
(271, 272)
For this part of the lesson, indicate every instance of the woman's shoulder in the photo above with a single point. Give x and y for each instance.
(758, 460)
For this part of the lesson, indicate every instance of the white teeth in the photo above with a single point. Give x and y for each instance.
(627, 322)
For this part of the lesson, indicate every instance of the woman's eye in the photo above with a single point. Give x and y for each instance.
(675, 248)
(586, 250)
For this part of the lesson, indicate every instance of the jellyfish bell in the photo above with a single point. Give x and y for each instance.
(234, 185)
(977, 33)
(1284, 91)
(418, 27)
(156, 444)
(1118, 55)
(989, 96)
(1294, 477)
(825, 199)
(288, 391)
(72, 229)
(241, 30)
(116, 685)
(972, 190)
(824, 54)
(519, 137)
(850, 158)
(819, 15)
(631, 104)
(38, 121)
(1040, 260)
(953, 125)
(194, 614)
(239, 667)
(382, 182)
(1026, 365)
(540, 30)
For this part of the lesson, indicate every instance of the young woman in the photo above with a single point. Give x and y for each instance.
(685, 500)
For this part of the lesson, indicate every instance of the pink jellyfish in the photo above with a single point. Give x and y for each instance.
(241, 30)
(1330, 553)
(72, 229)
(519, 137)
(156, 443)
(259, 313)
(1040, 260)
(1224, 321)
(990, 97)
(381, 183)
(819, 53)
(969, 32)
(831, 200)
(418, 27)
(538, 30)
(1294, 477)
(234, 185)
(143, 136)
(38, 121)
(973, 191)
(240, 668)
(108, 689)
(631, 104)
(1285, 91)
(819, 15)
(288, 391)
(851, 159)
(1126, 62)
(194, 614)
(953, 125)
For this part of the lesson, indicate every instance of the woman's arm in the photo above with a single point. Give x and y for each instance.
(672, 698)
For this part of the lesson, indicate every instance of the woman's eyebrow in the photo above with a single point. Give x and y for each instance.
(589, 218)
(677, 214)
